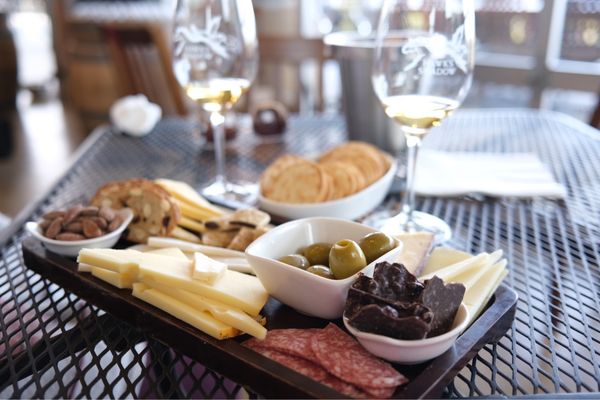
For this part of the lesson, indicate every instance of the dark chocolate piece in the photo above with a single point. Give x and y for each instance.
(443, 301)
(388, 321)
(394, 282)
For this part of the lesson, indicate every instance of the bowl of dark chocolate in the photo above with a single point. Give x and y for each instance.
(398, 318)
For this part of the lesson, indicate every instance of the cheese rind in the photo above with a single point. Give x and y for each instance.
(198, 319)
(222, 312)
(206, 269)
(122, 280)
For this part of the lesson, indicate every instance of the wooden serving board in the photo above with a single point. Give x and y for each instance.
(248, 368)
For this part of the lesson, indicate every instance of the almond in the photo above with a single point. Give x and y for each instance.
(90, 229)
(54, 228)
(70, 236)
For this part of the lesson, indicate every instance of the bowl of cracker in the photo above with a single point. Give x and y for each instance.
(347, 182)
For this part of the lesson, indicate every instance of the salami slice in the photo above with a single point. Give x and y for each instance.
(343, 387)
(298, 364)
(345, 358)
(295, 342)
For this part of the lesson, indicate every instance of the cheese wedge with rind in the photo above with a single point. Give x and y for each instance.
(122, 280)
(199, 319)
(157, 241)
(169, 251)
(416, 247)
(442, 257)
(206, 269)
(222, 312)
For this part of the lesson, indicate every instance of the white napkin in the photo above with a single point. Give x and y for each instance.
(135, 115)
(494, 174)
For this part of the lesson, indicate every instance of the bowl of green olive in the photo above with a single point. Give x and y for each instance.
(309, 264)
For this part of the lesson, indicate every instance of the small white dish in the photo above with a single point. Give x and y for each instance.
(308, 293)
(71, 248)
(411, 351)
(350, 207)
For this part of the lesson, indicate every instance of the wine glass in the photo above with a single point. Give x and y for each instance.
(422, 71)
(215, 59)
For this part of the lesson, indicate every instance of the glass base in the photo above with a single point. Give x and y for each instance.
(238, 192)
(391, 224)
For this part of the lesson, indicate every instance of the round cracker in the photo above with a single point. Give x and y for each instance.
(269, 175)
(301, 182)
(345, 178)
(365, 157)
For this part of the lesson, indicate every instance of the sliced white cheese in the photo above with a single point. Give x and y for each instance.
(169, 251)
(442, 257)
(198, 319)
(415, 250)
(184, 192)
(206, 269)
(234, 288)
(115, 260)
(469, 277)
(222, 312)
(122, 280)
(82, 267)
(478, 296)
(156, 241)
(448, 273)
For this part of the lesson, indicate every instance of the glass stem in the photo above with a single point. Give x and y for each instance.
(217, 122)
(413, 142)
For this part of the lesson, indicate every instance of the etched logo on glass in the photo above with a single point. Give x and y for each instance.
(205, 44)
(436, 54)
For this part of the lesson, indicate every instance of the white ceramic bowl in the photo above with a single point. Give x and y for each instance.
(71, 248)
(350, 207)
(307, 293)
(411, 351)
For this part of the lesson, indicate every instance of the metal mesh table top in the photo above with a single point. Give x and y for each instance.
(53, 344)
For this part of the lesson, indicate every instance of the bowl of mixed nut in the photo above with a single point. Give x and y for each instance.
(68, 231)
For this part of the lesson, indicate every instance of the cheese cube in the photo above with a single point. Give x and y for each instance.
(222, 312)
(206, 269)
(121, 280)
(198, 319)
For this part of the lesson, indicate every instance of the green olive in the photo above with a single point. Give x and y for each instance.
(295, 260)
(376, 244)
(317, 254)
(346, 258)
(320, 270)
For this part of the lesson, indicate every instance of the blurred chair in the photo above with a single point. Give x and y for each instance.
(595, 121)
(142, 57)
(281, 63)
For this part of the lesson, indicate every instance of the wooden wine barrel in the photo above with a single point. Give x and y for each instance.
(91, 82)
(9, 83)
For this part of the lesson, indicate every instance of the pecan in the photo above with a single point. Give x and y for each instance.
(70, 236)
(90, 229)
(54, 228)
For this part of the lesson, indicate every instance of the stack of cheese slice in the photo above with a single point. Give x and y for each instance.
(481, 274)
(201, 292)
(194, 209)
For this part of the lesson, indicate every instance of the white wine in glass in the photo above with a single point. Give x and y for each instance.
(422, 71)
(215, 59)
